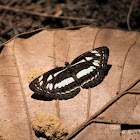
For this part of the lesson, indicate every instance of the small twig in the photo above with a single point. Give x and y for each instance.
(11, 2)
(67, 53)
(45, 15)
(57, 106)
(129, 14)
(96, 114)
(89, 101)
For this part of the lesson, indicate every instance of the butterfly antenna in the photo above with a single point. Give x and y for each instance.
(55, 58)
(67, 53)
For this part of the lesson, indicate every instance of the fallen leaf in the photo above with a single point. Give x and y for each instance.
(30, 51)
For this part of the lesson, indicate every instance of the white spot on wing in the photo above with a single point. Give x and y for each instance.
(85, 72)
(92, 78)
(56, 85)
(40, 78)
(97, 61)
(60, 85)
(93, 67)
(96, 76)
(96, 64)
(47, 85)
(51, 86)
(94, 51)
(89, 58)
(97, 54)
(41, 83)
(49, 78)
(63, 84)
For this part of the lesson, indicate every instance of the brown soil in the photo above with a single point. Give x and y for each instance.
(49, 126)
(15, 16)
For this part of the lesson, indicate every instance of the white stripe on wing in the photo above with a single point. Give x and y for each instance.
(64, 82)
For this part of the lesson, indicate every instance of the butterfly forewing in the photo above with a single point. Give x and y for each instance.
(38, 84)
(57, 84)
(91, 66)
(100, 53)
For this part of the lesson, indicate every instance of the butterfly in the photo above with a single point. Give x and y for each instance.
(86, 71)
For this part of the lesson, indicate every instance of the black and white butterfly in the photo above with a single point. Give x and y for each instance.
(86, 71)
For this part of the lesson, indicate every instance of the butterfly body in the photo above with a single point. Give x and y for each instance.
(87, 71)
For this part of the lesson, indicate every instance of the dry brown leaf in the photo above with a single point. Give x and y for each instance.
(31, 51)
